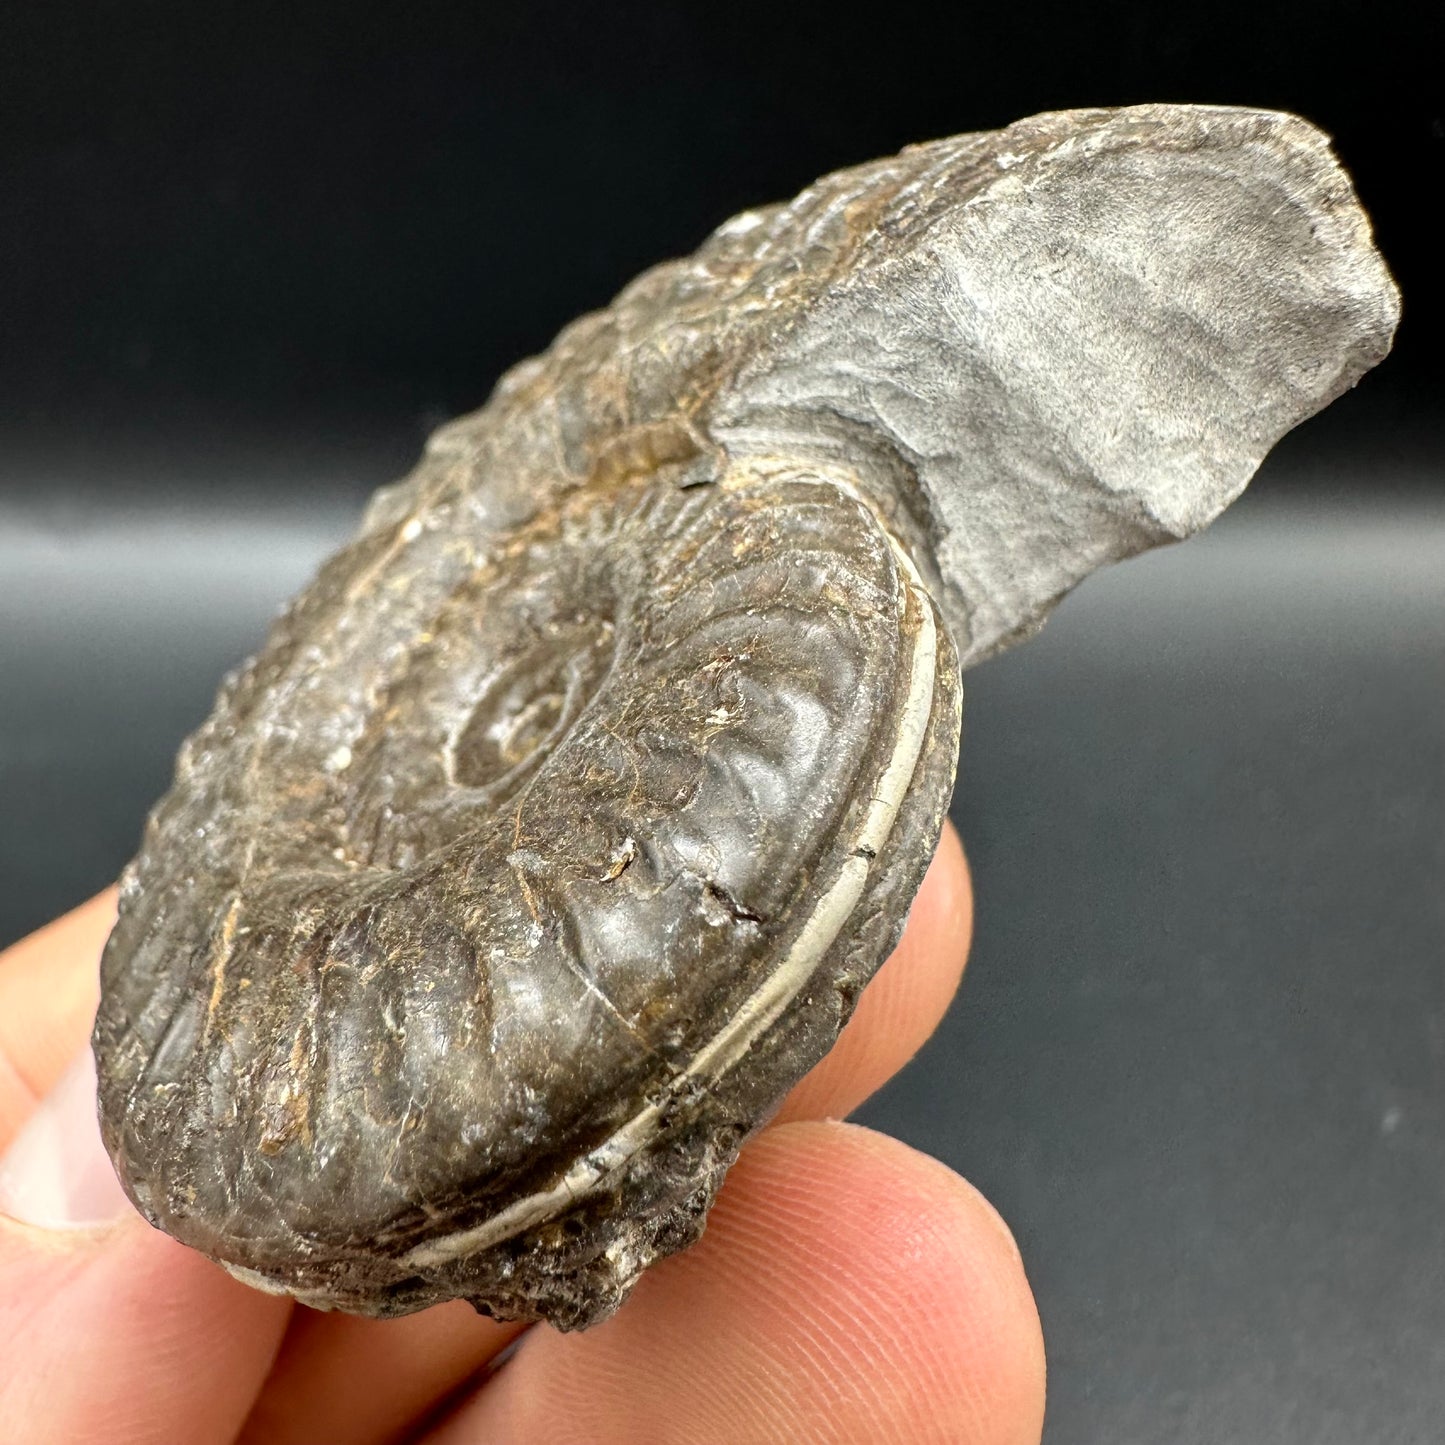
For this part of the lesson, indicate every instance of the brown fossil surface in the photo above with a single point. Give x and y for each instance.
(555, 829)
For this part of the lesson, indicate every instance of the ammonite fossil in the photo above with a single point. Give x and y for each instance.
(553, 833)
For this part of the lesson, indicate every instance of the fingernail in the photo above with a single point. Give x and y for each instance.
(56, 1173)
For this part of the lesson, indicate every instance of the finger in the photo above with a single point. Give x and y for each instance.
(49, 986)
(902, 1006)
(320, 1383)
(363, 1380)
(848, 1289)
(109, 1331)
(125, 1337)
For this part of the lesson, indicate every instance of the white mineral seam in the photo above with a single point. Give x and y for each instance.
(257, 1280)
(773, 996)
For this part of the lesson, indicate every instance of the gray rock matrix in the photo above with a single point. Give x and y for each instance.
(552, 835)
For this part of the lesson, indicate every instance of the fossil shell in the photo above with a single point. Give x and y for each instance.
(552, 835)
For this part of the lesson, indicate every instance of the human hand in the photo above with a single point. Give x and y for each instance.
(847, 1288)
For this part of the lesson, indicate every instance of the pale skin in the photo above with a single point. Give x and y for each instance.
(847, 1288)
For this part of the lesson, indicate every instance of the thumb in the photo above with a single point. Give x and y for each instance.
(109, 1331)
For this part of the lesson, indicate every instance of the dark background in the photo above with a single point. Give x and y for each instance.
(250, 254)
(293, 231)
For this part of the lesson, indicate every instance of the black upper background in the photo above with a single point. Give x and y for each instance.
(318, 228)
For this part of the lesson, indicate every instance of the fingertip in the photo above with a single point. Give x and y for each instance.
(925, 1284)
(909, 995)
(952, 893)
(89, 1315)
(49, 986)
(847, 1288)
(368, 1381)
